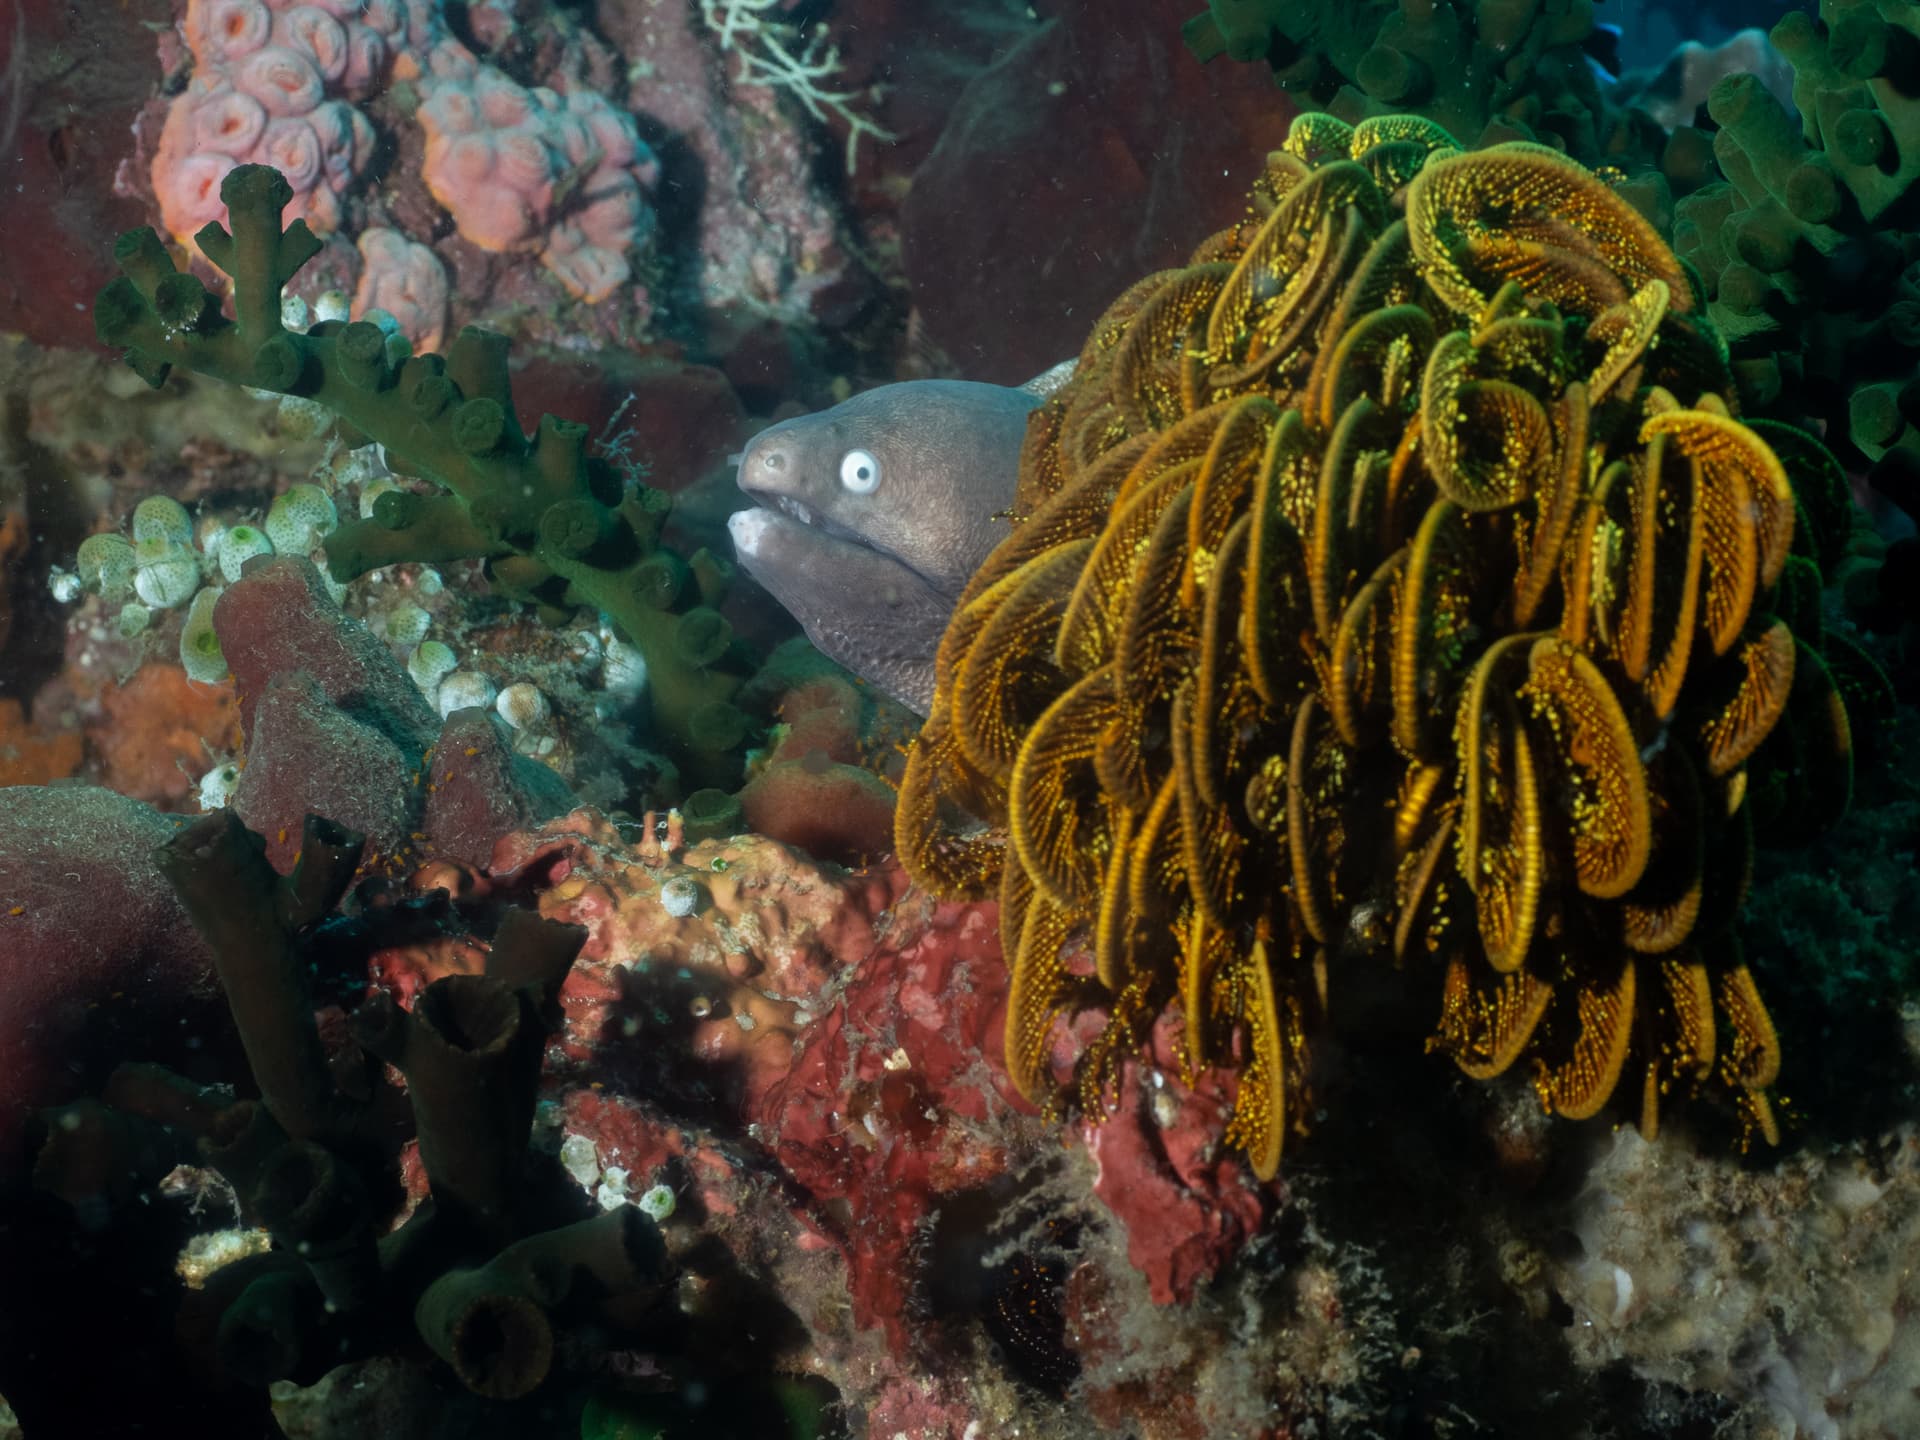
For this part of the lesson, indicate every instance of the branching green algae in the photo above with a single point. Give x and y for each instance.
(555, 524)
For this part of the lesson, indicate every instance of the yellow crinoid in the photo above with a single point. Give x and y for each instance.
(1391, 585)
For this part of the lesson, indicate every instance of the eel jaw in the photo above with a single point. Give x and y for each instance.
(802, 513)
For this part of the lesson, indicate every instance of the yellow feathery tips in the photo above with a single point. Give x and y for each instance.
(1525, 213)
(1039, 994)
(955, 863)
(1397, 595)
(1486, 1028)
(1260, 1108)
(1604, 1012)
(1597, 765)
(1765, 670)
(1486, 440)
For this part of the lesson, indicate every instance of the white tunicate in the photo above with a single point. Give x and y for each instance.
(332, 305)
(428, 581)
(161, 517)
(522, 706)
(207, 531)
(581, 1160)
(584, 646)
(217, 786)
(405, 624)
(464, 688)
(106, 563)
(64, 585)
(375, 488)
(295, 313)
(680, 896)
(299, 518)
(302, 419)
(133, 619)
(167, 572)
(624, 675)
(199, 645)
(239, 545)
(612, 1193)
(429, 664)
(657, 1203)
(359, 466)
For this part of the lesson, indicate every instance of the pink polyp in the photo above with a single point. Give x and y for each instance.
(451, 111)
(610, 220)
(574, 139)
(317, 35)
(227, 29)
(281, 79)
(190, 196)
(332, 122)
(524, 162)
(472, 159)
(364, 138)
(291, 147)
(495, 219)
(366, 60)
(617, 141)
(502, 103)
(589, 273)
(228, 123)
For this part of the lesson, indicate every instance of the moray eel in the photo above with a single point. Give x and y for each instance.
(872, 516)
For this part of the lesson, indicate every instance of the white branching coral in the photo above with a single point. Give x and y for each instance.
(779, 55)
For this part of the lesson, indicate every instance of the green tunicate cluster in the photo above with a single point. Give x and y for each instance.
(1807, 246)
(556, 526)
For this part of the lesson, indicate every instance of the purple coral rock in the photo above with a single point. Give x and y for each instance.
(307, 755)
(97, 958)
(481, 790)
(279, 617)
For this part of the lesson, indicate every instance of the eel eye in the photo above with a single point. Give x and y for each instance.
(859, 471)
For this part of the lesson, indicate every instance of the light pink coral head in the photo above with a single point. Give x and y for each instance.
(220, 31)
(367, 57)
(291, 147)
(281, 79)
(189, 192)
(227, 122)
(589, 273)
(614, 133)
(527, 165)
(502, 103)
(317, 35)
(450, 110)
(613, 215)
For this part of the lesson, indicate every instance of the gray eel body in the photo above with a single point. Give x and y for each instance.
(872, 517)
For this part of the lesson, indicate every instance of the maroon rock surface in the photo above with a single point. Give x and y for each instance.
(1046, 196)
(98, 960)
